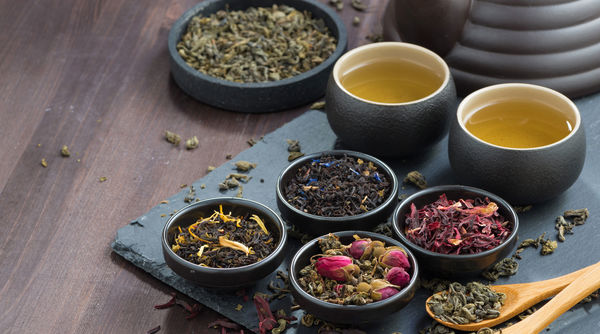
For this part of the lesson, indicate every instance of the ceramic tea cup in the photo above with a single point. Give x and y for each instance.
(520, 175)
(373, 104)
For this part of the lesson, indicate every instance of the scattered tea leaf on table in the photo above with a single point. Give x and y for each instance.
(64, 151)
(172, 137)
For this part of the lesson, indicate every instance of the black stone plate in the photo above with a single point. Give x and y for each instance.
(139, 241)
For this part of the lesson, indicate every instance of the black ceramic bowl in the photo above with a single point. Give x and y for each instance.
(224, 277)
(255, 97)
(318, 225)
(350, 314)
(520, 175)
(390, 129)
(455, 265)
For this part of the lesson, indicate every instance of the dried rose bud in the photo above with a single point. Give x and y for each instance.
(398, 276)
(337, 267)
(382, 289)
(395, 257)
(358, 247)
(385, 293)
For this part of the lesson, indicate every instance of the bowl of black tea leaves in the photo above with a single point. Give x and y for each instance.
(456, 230)
(256, 56)
(353, 277)
(224, 242)
(335, 191)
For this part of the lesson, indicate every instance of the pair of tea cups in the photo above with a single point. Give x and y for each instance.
(520, 175)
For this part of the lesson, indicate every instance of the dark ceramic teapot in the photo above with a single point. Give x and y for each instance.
(553, 43)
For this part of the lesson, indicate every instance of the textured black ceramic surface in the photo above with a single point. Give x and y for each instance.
(255, 97)
(519, 176)
(350, 314)
(224, 277)
(140, 240)
(318, 225)
(451, 265)
(389, 130)
(552, 43)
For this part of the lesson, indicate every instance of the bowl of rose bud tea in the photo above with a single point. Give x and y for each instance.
(224, 242)
(335, 191)
(353, 277)
(456, 230)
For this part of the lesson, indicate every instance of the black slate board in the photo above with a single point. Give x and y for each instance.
(139, 241)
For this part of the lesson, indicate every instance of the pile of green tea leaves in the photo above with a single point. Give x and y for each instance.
(256, 45)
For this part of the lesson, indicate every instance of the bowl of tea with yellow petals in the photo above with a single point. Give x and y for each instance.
(353, 277)
(224, 242)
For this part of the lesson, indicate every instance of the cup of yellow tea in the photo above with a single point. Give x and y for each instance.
(390, 99)
(523, 142)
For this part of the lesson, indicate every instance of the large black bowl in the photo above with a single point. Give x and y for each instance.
(318, 225)
(255, 97)
(224, 277)
(350, 314)
(452, 265)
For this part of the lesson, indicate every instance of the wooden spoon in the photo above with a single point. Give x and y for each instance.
(520, 297)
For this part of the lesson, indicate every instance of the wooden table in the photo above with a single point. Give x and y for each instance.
(94, 75)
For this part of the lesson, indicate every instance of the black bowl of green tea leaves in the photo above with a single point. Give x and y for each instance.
(456, 230)
(256, 56)
(353, 277)
(224, 242)
(336, 191)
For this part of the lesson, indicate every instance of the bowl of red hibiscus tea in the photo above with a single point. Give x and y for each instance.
(224, 242)
(335, 191)
(353, 277)
(456, 230)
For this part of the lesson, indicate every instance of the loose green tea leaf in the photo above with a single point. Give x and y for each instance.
(338, 4)
(521, 209)
(436, 328)
(358, 5)
(578, 216)
(505, 267)
(229, 184)
(192, 143)
(435, 285)
(64, 151)
(240, 177)
(356, 21)
(210, 169)
(190, 196)
(293, 145)
(295, 155)
(471, 303)
(375, 38)
(172, 137)
(251, 142)
(256, 45)
(103, 178)
(44, 163)
(244, 166)
(317, 105)
(416, 178)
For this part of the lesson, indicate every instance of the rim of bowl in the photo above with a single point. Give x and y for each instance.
(441, 189)
(413, 280)
(509, 85)
(399, 45)
(216, 201)
(341, 45)
(294, 166)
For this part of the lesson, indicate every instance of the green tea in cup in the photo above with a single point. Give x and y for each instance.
(520, 123)
(391, 81)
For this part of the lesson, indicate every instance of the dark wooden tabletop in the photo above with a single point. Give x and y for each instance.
(94, 75)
